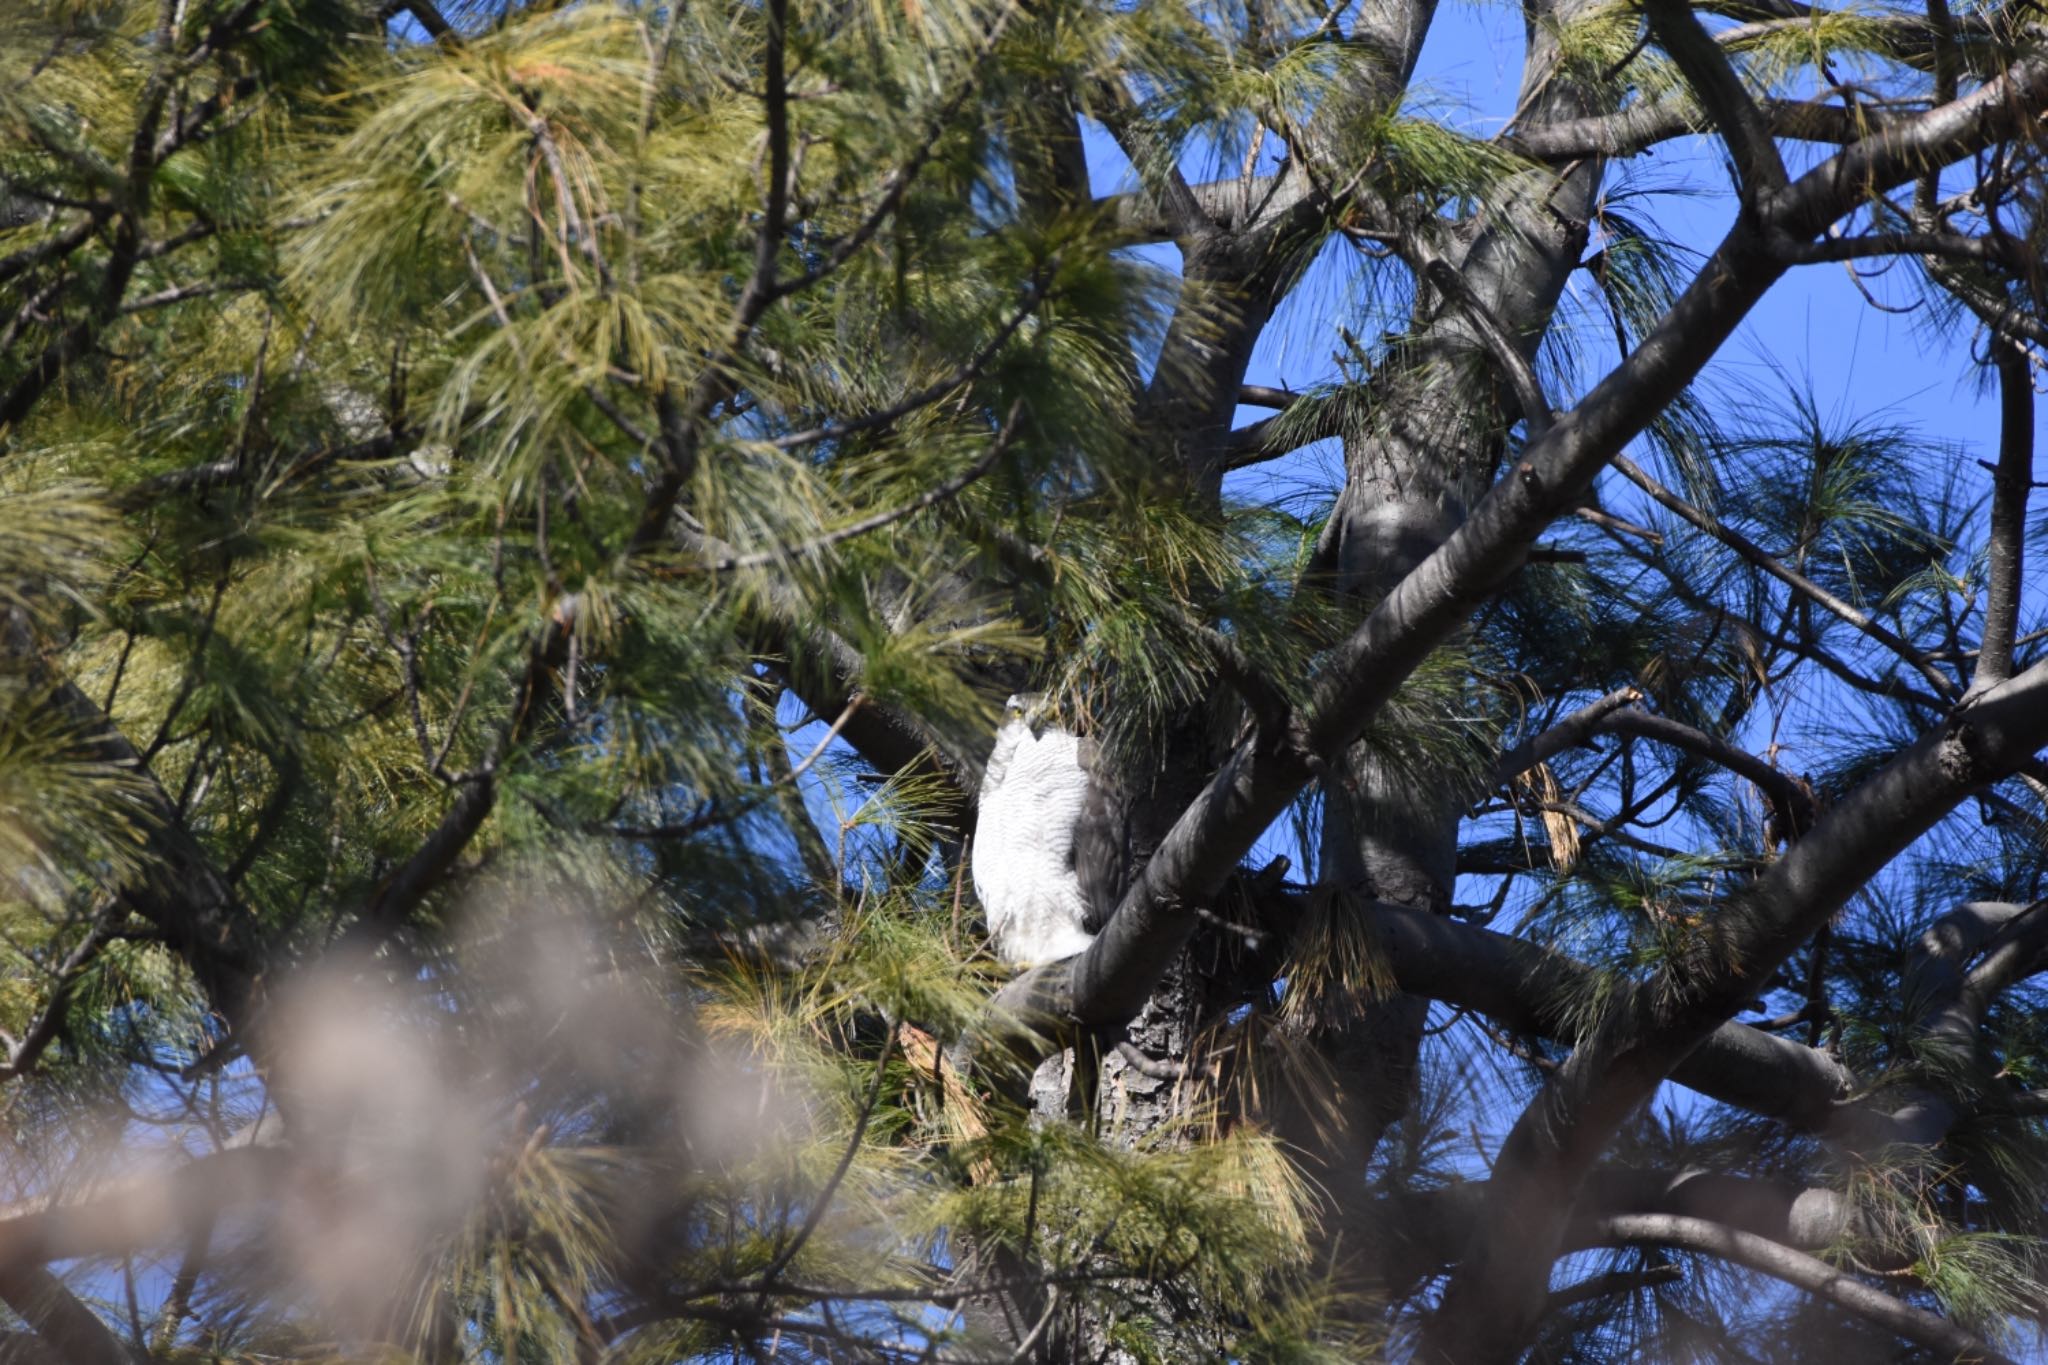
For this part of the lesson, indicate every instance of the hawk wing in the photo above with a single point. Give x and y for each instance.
(1102, 839)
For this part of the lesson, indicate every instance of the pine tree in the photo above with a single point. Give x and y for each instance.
(518, 525)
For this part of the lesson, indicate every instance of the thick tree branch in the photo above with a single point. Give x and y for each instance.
(67, 1326)
(2011, 481)
(1492, 1300)
(1784, 792)
(1521, 375)
(1265, 396)
(1568, 733)
(426, 14)
(1807, 1272)
(1235, 205)
(54, 246)
(1949, 245)
(1534, 990)
(139, 1213)
(1430, 1228)
(1650, 122)
(2014, 953)
(1308, 419)
(1897, 151)
(1156, 161)
(1760, 173)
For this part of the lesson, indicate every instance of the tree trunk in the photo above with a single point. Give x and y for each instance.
(1439, 424)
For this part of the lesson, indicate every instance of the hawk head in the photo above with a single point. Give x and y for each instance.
(1030, 710)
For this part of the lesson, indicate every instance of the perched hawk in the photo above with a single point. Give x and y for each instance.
(1033, 797)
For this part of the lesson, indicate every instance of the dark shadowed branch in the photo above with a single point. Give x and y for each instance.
(2011, 481)
(1810, 1273)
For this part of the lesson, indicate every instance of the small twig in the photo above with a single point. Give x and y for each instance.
(963, 374)
(1807, 1013)
(31, 310)
(853, 704)
(1613, 523)
(900, 179)
(1029, 1344)
(1798, 582)
(164, 298)
(1253, 939)
(819, 544)
(824, 1198)
(23, 1055)
(1613, 1282)
(190, 682)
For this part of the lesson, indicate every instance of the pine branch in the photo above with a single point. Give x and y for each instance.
(839, 535)
(1755, 555)
(56, 246)
(24, 1054)
(1568, 733)
(963, 374)
(1806, 1272)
